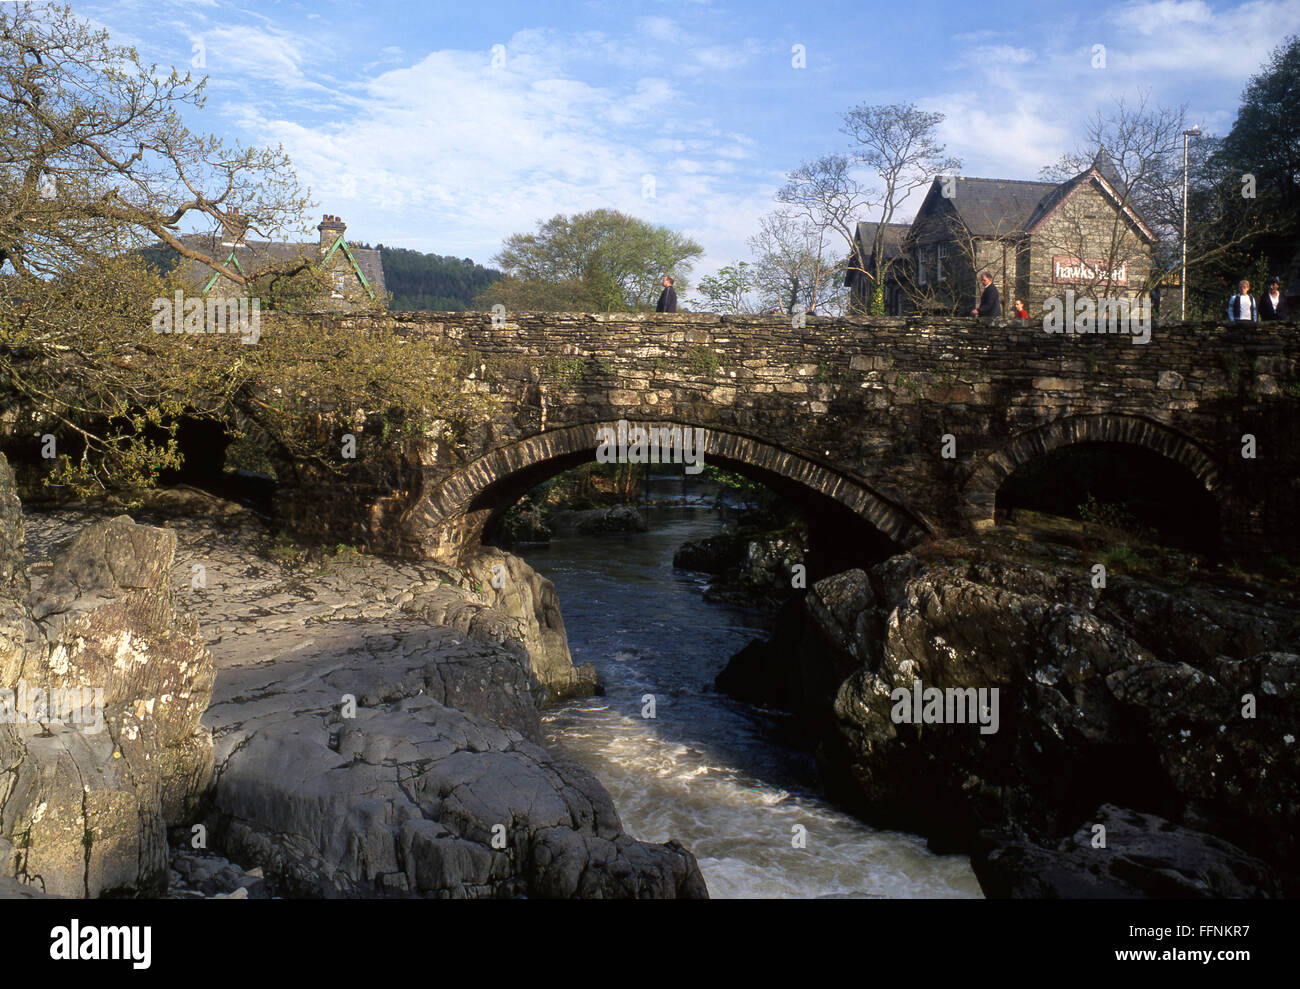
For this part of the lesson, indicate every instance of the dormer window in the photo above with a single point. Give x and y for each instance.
(339, 284)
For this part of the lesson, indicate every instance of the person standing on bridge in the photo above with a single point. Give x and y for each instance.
(1272, 304)
(990, 304)
(668, 297)
(1242, 308)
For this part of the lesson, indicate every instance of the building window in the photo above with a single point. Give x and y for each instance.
(941, 252)
(338, 284)
(920, 266)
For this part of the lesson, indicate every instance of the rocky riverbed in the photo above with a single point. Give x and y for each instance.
(277, 723)
(346, 725)
(1146, 742)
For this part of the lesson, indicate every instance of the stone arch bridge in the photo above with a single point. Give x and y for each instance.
(848, 416)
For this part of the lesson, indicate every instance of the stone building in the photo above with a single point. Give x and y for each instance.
(857, 279)
(1037, 239)
(354, 276)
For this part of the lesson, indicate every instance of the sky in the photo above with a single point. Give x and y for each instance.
(446, 127)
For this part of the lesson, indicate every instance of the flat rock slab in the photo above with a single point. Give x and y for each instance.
(375, 726)
(344, 770)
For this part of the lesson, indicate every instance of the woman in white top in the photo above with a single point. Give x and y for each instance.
(1241, 307)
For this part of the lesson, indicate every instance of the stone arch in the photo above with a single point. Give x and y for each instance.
(473, 492)
(981, 488)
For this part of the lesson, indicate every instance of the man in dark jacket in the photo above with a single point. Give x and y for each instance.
(989, 305)
(1272, 304)
(668, 297)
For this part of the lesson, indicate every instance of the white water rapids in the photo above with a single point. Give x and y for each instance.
(707, 770)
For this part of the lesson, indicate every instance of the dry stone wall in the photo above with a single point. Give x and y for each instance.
(855, 410)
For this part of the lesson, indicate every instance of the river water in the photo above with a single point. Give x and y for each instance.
(707, 770)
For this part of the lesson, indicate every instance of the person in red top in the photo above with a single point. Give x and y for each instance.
(1021, 312)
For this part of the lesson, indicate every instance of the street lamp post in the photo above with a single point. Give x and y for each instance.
(1182, 281)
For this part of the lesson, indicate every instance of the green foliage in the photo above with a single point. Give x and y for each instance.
(284, 550)
(1120, 558)
(831, 374)
(540, 295)
(593, 485)
(1108, 516)
(296, 291)
(1264, 134)
(244, 454)
(878, 300)
(703, 361)
(739, 483)
(1241, 237)
(1286, 567)
(909, 381)
(605, 259)
(435, 282)
(728, 290)
(78, 357)
(564, 371)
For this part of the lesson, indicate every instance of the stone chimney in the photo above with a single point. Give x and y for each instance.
(234, 227)
(331, 229)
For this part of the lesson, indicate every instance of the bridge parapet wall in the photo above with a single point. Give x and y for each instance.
(874, 399)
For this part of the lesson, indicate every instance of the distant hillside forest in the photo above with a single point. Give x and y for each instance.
(430, 281)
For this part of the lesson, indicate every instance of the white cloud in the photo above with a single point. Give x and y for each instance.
(1168, 36)
(272, 57)
(660, 29)
(455, 154)
(1151, 18)
(997, 55)
(1011, 114)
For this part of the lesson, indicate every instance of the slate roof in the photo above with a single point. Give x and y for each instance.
(258, 253)
(1001, 207)
(865, 238)
(1106, 166)
(895, 234)
(1012, 207)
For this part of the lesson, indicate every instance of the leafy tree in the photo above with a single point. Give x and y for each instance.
(609, 261)
(95, 164)
(1264, 135)
(94, 158)
(540, 295)
(729, 291)
(1263, 145)
(419, 281)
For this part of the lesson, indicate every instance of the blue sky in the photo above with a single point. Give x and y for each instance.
(400, 120)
